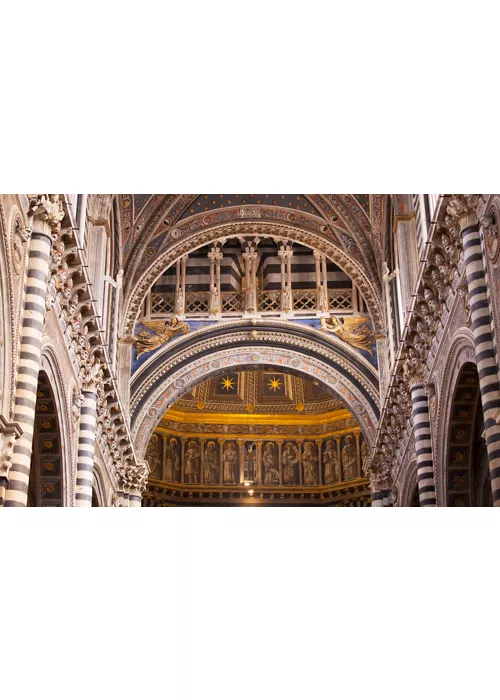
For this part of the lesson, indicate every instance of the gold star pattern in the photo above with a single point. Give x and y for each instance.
(227, 383)
(274, 384)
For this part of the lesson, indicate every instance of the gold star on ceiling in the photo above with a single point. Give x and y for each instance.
(274, 384)
(227, 383)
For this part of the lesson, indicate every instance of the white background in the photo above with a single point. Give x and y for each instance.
(249, 603)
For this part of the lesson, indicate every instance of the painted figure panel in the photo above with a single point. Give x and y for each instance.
(270, 464)
(331, 462)
(211, 462)
(290, 458)
(230, 463)
(310, 463)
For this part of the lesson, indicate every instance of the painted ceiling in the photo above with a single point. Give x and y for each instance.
(259, 392)
(208, 202)
(151, 224)
(137, 208)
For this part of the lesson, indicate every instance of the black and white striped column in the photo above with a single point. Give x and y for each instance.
(380, 499)
(423, 445)
(38, 270)
(86, 450)
(134, 499)
(485, 349)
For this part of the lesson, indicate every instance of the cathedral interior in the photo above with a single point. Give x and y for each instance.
(165, 350)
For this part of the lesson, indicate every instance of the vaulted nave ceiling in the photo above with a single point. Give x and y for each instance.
(151, 222)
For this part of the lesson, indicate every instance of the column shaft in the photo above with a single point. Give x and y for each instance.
(29, 365)
(485, 350)
(380, 499)
(423, 446)
(86, 450)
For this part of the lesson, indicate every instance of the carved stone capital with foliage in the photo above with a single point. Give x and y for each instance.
(46, 208)
(413, 368)
(132, 477)
(379, 473)
(462, 211)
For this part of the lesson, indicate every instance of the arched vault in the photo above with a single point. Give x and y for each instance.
(191, 359)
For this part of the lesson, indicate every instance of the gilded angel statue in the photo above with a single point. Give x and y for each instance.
(162, 332)
(352, 330)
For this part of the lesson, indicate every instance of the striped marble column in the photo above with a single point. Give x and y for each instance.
(423, 445)
(86, 450)
(380, 499)
(463, 212)
(45, 215)
(379, 475)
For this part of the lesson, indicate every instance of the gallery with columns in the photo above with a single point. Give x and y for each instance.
(167, 350)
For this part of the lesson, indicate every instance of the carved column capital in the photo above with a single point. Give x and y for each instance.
(46, 209)
(378, 472)
(285, 253)
(91, 376)
(132, 476)
(462, 211)
(413, 368)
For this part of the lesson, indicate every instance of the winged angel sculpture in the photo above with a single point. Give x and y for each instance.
(354, 331)
(162, 332)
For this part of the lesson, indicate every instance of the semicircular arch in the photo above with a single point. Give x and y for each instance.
(190, 242)
(179, 367)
